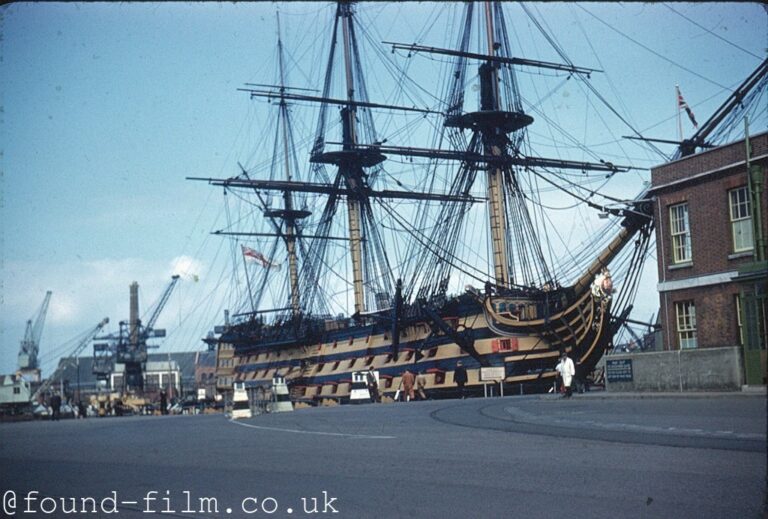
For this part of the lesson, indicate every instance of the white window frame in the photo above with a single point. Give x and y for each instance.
(740, 213)
(685, 313)
(680, 232)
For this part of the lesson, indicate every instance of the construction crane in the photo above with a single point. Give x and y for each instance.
(46, 385)
(130, 344)
(161, 304)
(30, 346)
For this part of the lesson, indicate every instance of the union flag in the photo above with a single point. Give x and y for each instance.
(682, 105)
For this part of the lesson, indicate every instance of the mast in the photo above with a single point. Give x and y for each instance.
(493, 122)
(496, 150)
(284, 220)
(493, 143)
(290, 215)
(367, 254)
(351, 179)
(494, 154)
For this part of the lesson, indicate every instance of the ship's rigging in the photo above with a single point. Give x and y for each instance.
(495, 164)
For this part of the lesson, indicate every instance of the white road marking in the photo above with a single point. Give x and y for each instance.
(527, 417)
(319, 433)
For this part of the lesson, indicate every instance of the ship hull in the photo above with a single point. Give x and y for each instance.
(319, 369)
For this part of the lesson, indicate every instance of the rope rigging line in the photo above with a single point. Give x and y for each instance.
(711, 32)
(640, 144)
(434, 249)
(657, 54)
(584, 79)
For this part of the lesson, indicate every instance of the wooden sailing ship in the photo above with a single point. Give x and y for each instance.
(513, 310)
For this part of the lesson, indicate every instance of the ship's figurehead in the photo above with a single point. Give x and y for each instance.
(602, 286)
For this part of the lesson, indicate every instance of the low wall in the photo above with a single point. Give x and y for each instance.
(708, 369)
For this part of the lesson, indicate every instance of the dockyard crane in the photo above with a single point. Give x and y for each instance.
(160, 305)
(45, 386)
(30, 345)
(130, 344)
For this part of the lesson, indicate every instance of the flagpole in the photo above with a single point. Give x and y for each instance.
(247, 278)
(679, 119)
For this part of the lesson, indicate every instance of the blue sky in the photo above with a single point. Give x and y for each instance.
(107, 107)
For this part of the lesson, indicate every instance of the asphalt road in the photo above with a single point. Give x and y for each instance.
(504, 457)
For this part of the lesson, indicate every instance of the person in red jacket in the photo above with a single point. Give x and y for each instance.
(409, 379)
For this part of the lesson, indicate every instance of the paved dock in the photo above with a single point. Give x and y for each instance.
(595, 455)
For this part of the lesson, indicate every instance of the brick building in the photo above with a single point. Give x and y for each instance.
(205, 372)
(77, 374)
(225, 368)
(711, 250)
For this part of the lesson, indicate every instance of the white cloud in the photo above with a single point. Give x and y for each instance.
(62, 310)
(186, 267)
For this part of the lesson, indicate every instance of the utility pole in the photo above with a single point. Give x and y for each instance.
(755, 189)
(753, 275)
(77, 361)
(170, 377)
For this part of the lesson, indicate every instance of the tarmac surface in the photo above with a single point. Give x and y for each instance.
(595, 455)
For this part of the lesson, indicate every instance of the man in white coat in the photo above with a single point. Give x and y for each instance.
(567, 371)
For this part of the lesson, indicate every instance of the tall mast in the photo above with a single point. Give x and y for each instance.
(490, 141)
(290, 215)
(352, 179)
(493, 144)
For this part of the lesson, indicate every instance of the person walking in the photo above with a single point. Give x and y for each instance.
(421, 384)
(408, 381)
(567, 370)
(373, 385)
(163, 402)
(460, 377)
(55, 406)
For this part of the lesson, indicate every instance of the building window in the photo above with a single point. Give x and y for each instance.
(152, 381)
(686, 324)
(681, 233)
(741, 220)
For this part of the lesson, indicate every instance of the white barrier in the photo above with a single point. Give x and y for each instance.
(359, 393)
(282, 399)
(241, 405)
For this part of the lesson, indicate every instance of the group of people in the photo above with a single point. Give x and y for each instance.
(413, 384)
(55, 403)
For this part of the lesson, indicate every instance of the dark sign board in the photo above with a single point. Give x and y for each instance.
(618, 370)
